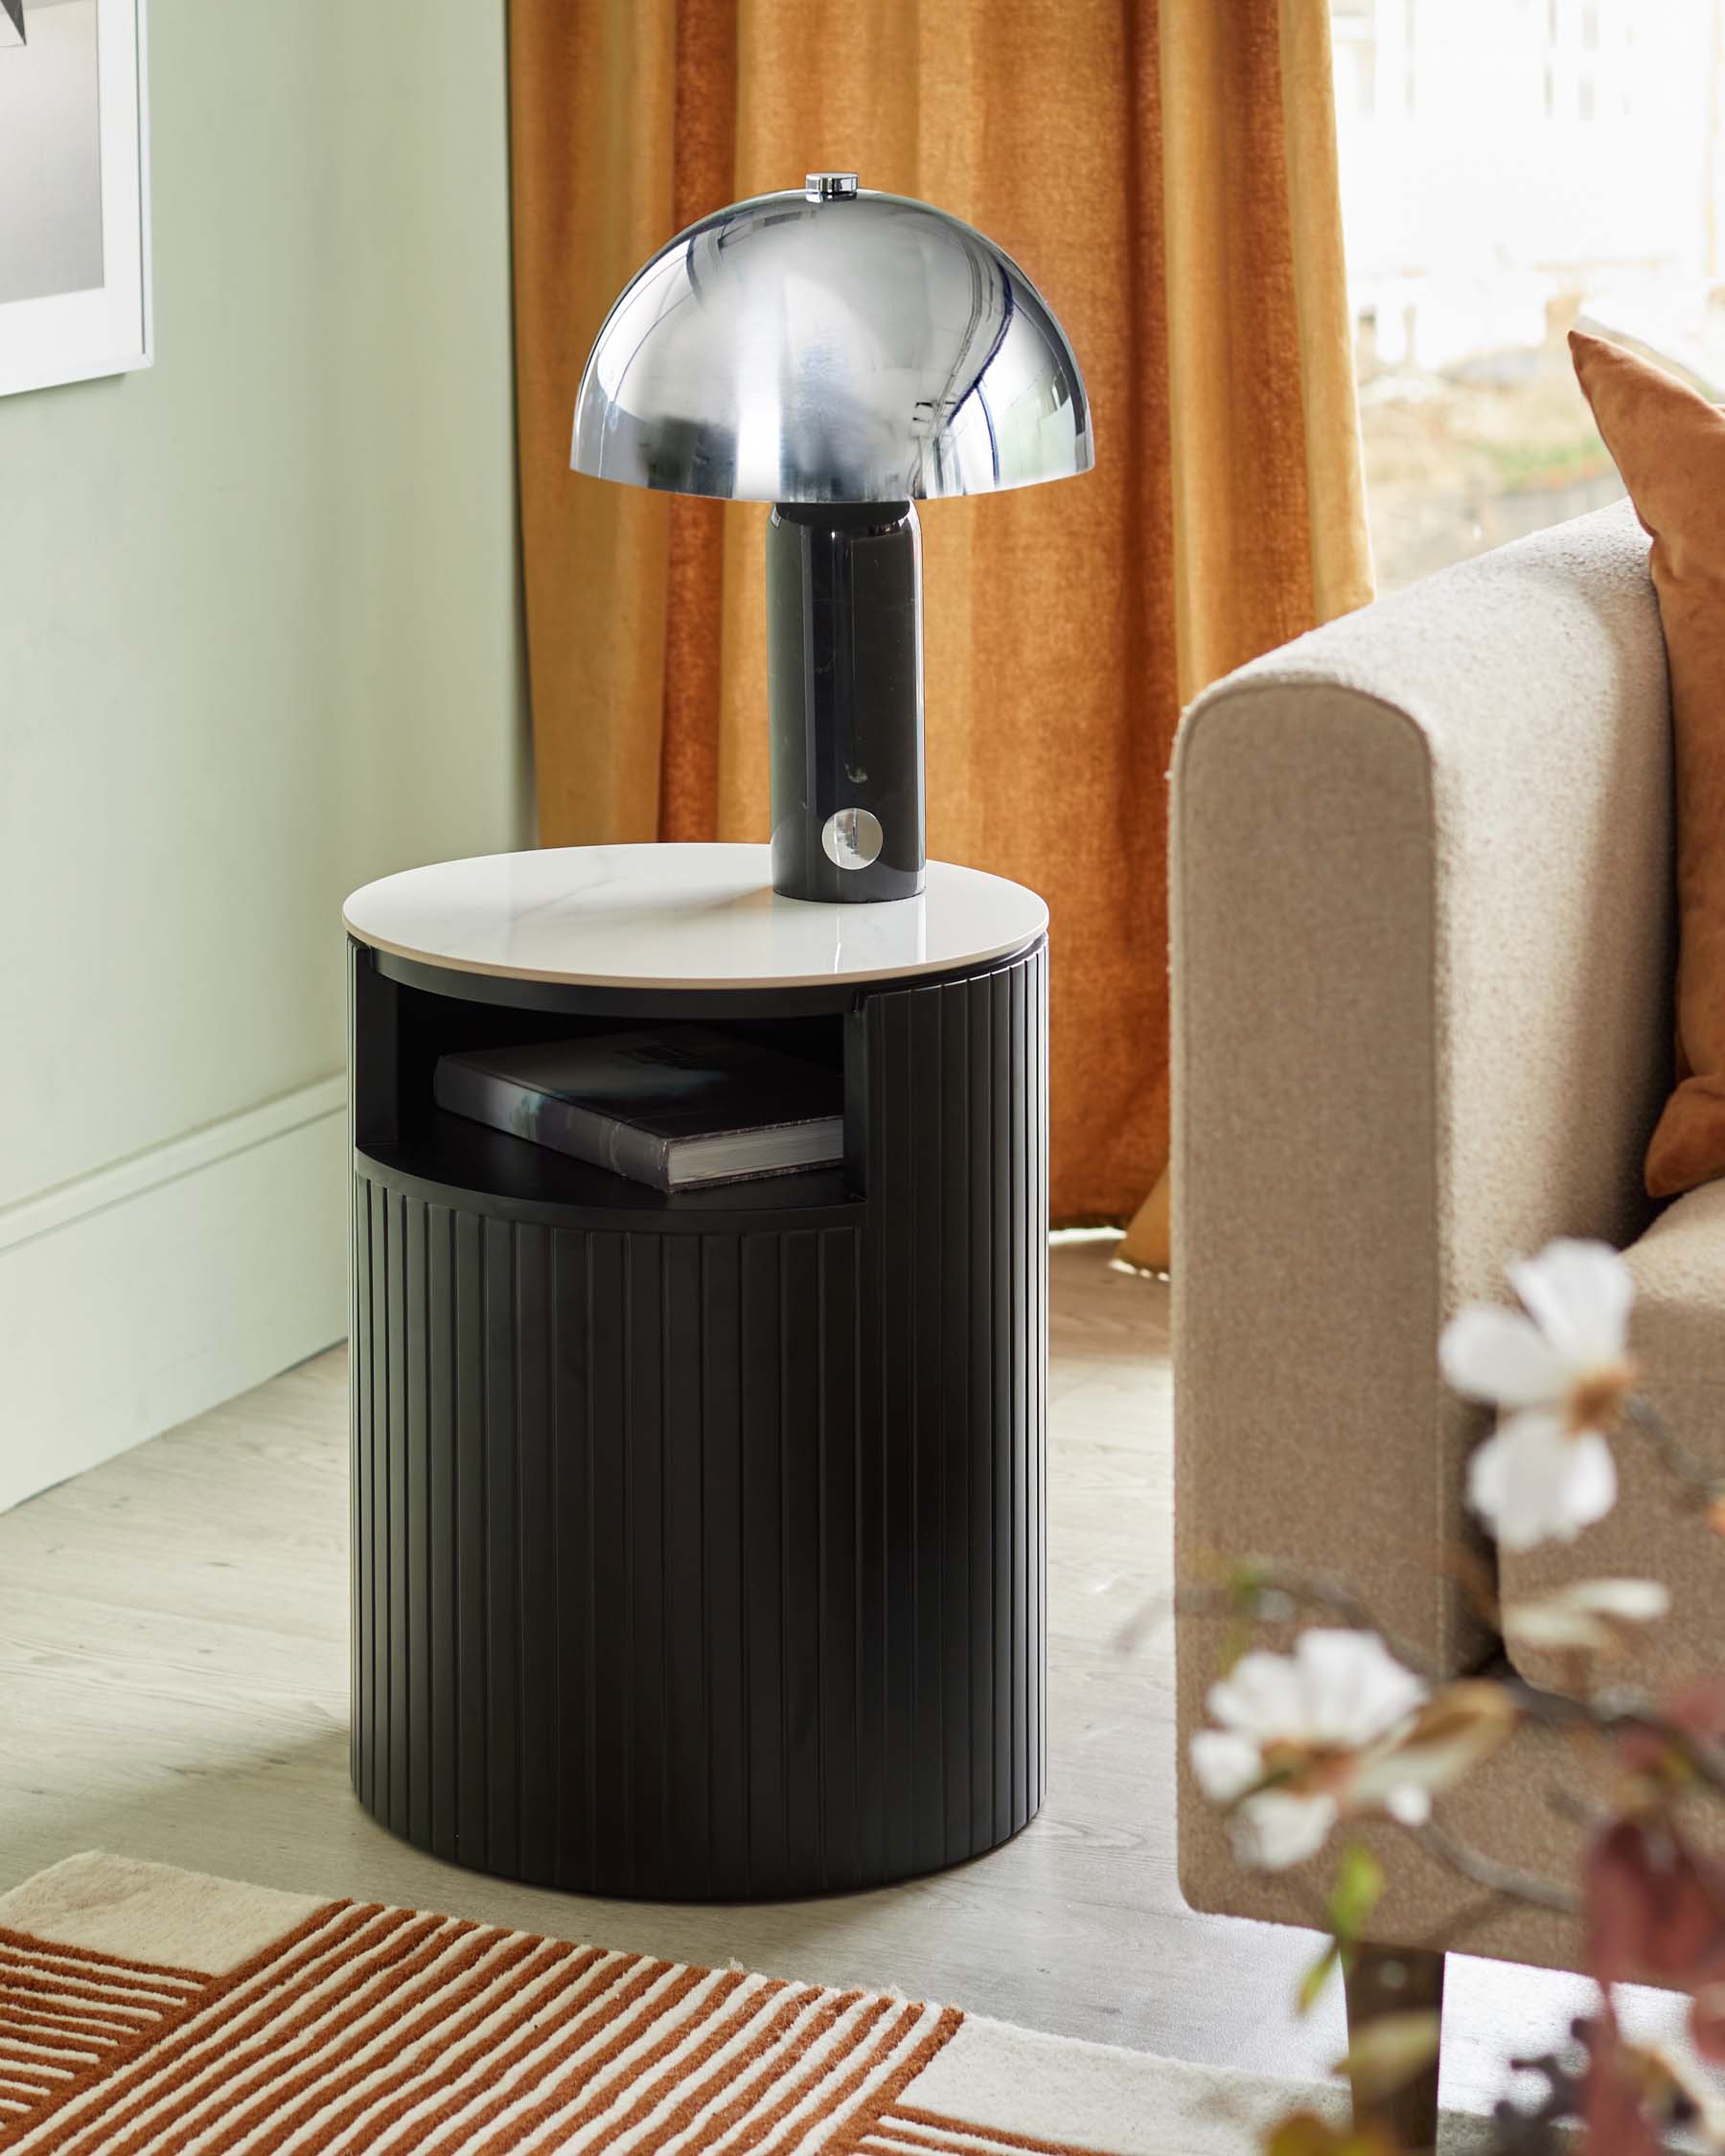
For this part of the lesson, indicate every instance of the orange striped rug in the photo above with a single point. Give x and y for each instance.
(145, 2010)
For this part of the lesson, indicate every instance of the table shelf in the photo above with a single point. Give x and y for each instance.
(446, 1158)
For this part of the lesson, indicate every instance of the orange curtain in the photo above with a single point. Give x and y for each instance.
(1134, 157)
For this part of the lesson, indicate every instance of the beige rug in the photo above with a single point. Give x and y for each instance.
(145, 2010)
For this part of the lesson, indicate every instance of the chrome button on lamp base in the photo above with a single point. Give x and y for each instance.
(851, 837)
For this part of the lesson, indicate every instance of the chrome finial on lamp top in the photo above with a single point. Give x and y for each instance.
(866, 352)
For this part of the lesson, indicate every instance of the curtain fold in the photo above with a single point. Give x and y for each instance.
(1269, 535)
(1136, 159)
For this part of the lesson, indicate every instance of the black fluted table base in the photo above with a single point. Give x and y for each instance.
(698, 1543)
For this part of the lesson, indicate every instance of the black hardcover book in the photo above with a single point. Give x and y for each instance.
(671, 1110)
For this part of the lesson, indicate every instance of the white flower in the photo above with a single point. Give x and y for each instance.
(1446, 1739)
(1536, 1480)
(1275, 1828)
(1295, 1731)
(1561, 1371)
(1570, 1349)
(1585, 1618)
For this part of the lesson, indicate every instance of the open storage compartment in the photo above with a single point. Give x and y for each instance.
(400, 1030)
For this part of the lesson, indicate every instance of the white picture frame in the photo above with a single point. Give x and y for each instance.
(55, 335)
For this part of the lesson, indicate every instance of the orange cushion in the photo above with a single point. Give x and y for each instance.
(1668, 443)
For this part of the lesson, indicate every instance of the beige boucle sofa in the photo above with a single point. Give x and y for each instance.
(1422, 953)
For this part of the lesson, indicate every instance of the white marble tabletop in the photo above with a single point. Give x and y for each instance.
(681, 916)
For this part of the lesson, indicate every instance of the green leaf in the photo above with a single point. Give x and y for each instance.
(1303, 2133)
(1358, 1890)
(1312, 1984)
(1386, 2053)
(1359, 1885)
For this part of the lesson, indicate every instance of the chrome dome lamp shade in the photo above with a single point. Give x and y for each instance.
(842, 354)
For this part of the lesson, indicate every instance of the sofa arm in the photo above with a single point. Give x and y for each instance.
(1422, 960)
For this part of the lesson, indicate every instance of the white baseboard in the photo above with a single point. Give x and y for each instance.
(151, 1290)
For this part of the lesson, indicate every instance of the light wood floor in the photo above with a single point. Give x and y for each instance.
(173, 1685)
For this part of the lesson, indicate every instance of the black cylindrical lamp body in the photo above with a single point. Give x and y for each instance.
(845, 697)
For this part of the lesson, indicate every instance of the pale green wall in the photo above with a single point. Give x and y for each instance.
(259, 618)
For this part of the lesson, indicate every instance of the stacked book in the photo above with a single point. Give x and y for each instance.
(675, 1110)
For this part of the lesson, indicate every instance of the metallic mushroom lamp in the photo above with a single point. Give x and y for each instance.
(842, 354)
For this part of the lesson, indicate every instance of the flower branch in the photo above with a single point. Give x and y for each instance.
(1356, 1722)
(1703, 1483)
(1507, 1882)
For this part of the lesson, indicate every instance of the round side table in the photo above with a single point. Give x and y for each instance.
(698, 1544)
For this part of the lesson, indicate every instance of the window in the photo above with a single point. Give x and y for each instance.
(1531, 164)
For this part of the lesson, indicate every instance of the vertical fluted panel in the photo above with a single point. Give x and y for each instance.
(838, 1501)
(378, 1486)
(647, 1796)
(468, 1745)
(723, 1562)
(712, 1564)
(688, 1828)
(803, 1705)
(536, 1567)
(954, 1324)
(444, 1633)
(574, 1645)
